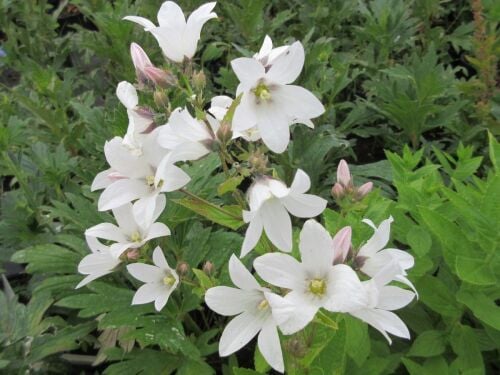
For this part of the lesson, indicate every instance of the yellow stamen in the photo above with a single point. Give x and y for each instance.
(150, 180)
(262, 92)
(263, 305)
(136, 237)
(317, 287)
(169, 280)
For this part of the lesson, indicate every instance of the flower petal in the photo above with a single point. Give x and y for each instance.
(229, 301)
(239, 332)
(342, 244)
(316, 248)
(303, 313)
(170, 15)
(122, 160)
(194, 24)
(273, 127)
(345, 291)
(127, 94)
(281, 270)
(162, 298)
(277, 224)
(241, 276)
(304, 205)
(106, 231)
(125, 219)
(157, 230)
(144, 22)
(269, 345)
(144, 210)
(248, 71)
(383, 321)
(245, 116)
(394, 298)
(172, 176)
(252, 235)
(301, 182)
(298, 102)
(121, 192)
(146, 273)
(378, 240)
(147, 293)
(287, 66)
(102, 180)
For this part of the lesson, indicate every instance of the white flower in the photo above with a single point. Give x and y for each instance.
(381, 300)
(141, 61)
(268, 101)
(140, 121)
(270, 202)
(314, 282)
(137, 177)
(186, 137)
(249, 301)
(160, 279)
(132, 232)
(177, 37)
(97, 264)
(372, 257)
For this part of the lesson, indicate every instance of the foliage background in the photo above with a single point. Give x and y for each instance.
(411, 91)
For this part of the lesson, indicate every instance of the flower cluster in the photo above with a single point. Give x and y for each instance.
(145, 164)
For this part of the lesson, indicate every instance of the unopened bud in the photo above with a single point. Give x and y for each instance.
(208, 267)
(141, 61)
(130, 254)
(199, 80)
(364, 189)
(160, 78)
(161, 99)
(182, 268)
(224, 133)
(344, 174)
(296, 348)
(337, 191)
(342, 244)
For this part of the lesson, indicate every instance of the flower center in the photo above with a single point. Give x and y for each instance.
(150, 180)
(263, 305)
(317, 287)
(136, 237)
(169, 280)
(262, 92)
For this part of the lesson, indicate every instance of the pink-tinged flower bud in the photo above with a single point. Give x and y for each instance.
(133, 254)
(140, 60)
(364, 189)
(161, 78)
(342, 244)
(343, 174)
(182, 268)
(338, 191)
(208, 267)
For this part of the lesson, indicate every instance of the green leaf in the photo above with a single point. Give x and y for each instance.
(494, 151)
(228, 216)
(483, 308)
(475, 271)
(435, 294)
(428, 344)
(143, 361)
(464, 344)
(244, 371)
(48, 258)
(358, 343)
(260, 363)
(229, 185)
(419, 240)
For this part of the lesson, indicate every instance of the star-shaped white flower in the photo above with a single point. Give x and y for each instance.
(177, 37)
(372, 256)
(97, 264)
(382, 299)
(132, 232)
(314, 282)
(160, 280)
(137, 177)
(249, 301)
(269, 102)
(271, 202)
